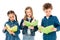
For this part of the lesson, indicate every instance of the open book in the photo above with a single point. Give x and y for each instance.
(47, 29)
(13, 29)
(28, 24)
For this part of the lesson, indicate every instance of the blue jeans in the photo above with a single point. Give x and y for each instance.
(28, 37)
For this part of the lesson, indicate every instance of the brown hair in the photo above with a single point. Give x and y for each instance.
(26, 14)
(12, 12)
(47, 6)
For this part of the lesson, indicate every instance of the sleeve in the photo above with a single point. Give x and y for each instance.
(36, 28)
(4, 31)
(21, 26)
(18, 26)
(56, 23)
(42, 23)
(18, 30)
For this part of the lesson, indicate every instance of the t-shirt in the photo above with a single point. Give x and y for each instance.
(47, 17)
(28, 28)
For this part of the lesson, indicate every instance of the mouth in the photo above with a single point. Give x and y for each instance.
(29, 14)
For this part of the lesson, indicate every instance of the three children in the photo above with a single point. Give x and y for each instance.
(29, 32)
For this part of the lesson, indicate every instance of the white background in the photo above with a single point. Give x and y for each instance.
(19, 6)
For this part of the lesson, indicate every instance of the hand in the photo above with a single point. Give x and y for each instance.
(12, 33)
(4, 28)
(54, 29)
(39, 31)
(31, 27)
(33, 20)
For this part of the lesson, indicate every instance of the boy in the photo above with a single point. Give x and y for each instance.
(49, 20)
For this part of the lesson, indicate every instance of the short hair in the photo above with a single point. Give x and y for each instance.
(47, 6)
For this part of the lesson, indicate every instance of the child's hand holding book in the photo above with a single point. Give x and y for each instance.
(47, 29)
(29, 24)
(12, 33)
(31, 27)
(11, 29)
(54, 29)
(5, 28)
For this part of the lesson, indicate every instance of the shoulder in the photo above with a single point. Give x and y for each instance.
(43, 18)
(55, 17)
(7, 22)
(22, 19)
(16, 22)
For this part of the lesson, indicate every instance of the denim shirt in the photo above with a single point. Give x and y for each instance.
(11, 24)
(52, 20)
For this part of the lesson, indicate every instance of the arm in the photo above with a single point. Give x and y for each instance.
(18, 29)
(35, 28)
(21, 24)
(4, 29)
(36, 25)
(42, 23)
(56, 23)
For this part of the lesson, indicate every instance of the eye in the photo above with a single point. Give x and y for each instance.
(11, 17)
(49, 11)
(46, 11)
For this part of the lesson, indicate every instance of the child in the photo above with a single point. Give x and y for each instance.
(50, 20)
(11, 22)
(28, 33)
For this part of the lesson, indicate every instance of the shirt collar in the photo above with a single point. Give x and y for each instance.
(49, 16)
(11, 21)
(28, 19)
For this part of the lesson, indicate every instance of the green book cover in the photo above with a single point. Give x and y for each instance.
(28, 24)
(14, 28)
(47, 29)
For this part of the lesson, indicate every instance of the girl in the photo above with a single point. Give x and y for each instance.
(11, 22)
(28, 33)
(50, 20)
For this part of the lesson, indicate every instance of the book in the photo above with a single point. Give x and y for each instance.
(28, 24)
(13, 29)
(47, 29)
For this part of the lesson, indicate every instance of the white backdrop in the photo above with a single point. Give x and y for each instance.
(19, 6)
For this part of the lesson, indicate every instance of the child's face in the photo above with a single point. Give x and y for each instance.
(48, 12)
(11, 16)
(28, 13)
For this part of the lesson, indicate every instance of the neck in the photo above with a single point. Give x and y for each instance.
(11, 20)
(29, 17)
(47, 15)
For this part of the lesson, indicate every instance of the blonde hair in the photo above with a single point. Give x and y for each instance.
(26, 13)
